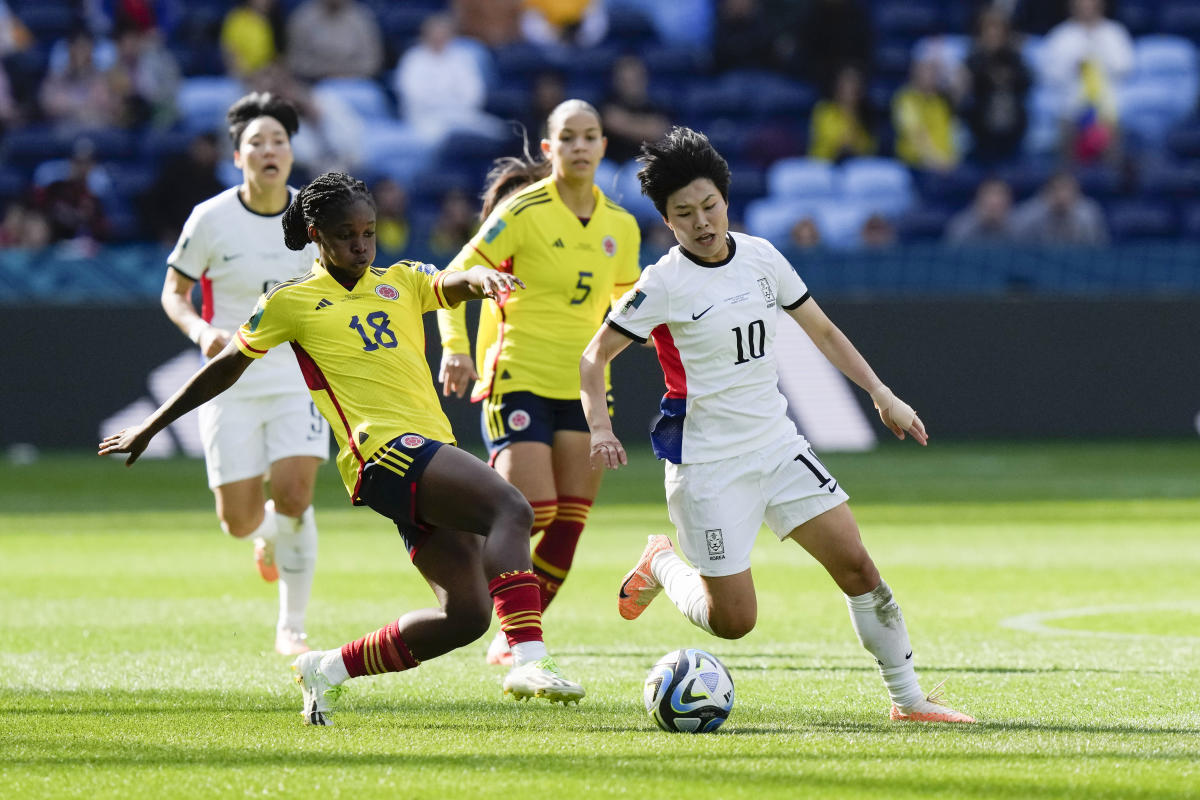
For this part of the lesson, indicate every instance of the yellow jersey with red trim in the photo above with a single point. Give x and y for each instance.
(362, 354)
(573, 271)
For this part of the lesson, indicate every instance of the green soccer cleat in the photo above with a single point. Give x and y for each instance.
(541, 678)
(315, 688)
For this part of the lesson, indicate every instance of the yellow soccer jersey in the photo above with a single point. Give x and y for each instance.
(572, 272)
(362, 352)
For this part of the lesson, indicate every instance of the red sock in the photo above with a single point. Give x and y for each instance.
(554, 553)
(543, 514)
(381, 651)
(518, 606)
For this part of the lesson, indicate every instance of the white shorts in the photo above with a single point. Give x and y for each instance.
(244, 436)
(717, 507)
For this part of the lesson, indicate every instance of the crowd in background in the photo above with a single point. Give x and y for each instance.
(1003, 116)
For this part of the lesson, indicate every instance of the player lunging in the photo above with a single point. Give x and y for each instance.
(266, 426)
(356, 331)
(734, 458)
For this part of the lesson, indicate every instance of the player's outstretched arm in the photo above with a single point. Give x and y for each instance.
(604, 347)
(213, 378)
(897, 415)
(478, 282)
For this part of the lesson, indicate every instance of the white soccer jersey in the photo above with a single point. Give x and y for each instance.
(236, 254)
(714, 329)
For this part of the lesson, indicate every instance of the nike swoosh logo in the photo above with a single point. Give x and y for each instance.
(702, 313)
(833, 488)
(232, 257)
(908, 655)
(625, 596)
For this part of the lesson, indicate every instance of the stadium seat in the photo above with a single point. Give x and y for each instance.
(840, 224)
(395, 150)
(1149, 108)
(881, 185)
(1190, 219)
(801, 178)
(628, 194)
(1132, 220)
(954, 188)
(950, 49)
(1163, 178)
(13, 183)
(203, 101)
(911, 18)
(1137, 15)
(1184, 140)
(365, 96)
(924, 224)
(772, 218)
(606, 176)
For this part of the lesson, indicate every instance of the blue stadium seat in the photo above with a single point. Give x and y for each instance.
(840, 224)
(772, 218)
(1134, 220)
(13, 183)
(203, 101)
(801, 178)
(912, 18)
(606, 176)
(954, 188)
(1190, 218)
(878, 184)
(628, 194)
(1184, 140)
(1138, 15)
(1162, 178)
(394, 150)
(1149, 109)
(924, 224)
(365, 96)
(944, 47)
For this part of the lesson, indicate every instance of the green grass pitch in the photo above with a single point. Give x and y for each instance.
(1055, 585)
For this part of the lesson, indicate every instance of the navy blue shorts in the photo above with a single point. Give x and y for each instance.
(389, 485)
(528, 417)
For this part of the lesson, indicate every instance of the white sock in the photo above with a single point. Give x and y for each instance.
(524, 652)
(296, 556)
(266, 529)
(333, 667)
(683, 585)
(880, 627)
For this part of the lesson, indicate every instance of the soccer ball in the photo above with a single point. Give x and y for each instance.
(688, 691)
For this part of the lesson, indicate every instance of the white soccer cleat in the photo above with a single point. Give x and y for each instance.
(929, 710)
(315, 688)
(291, 643)
(499, 651)
(541, 678)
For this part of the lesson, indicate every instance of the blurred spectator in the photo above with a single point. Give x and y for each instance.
(924, 121)
(581, 23)
(24, 226)
(999, 82)
(877, 233)
(630, 117)
(10, 111)
(1060, 215)
(830, 33)
(392, 228)
(988, 220)
(71, 208)
(804, 234)
(81, 95)
(146, 76)
(249, 36)
(454, 226)
(441, 85)
(334, 39)
(745, 37)
(184, 181)
(1084, 59)
(330, 135)
(549, 89)
(843, 124)
(494, 22)
(14, 36)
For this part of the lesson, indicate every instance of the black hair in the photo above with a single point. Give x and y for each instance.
(316, 202)
(677, 159)
(260, 104)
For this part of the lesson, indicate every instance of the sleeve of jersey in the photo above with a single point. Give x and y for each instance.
(427, 283)
(792, 290)
(629, 270)
(491, 245)
(190, 256)
(640, 310)
(267, 327)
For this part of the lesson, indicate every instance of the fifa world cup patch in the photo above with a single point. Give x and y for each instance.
(411, 440)
(387, 292)
(519, 420)
(633, 303)
(767, 291)
(494, 231)
(716, 543)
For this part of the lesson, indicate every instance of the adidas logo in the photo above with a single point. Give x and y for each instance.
(323, 304)
(559, 243)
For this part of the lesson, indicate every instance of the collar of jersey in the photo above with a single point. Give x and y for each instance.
(712, 264)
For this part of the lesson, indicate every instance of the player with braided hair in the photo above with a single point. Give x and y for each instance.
(356, 331)
(266, 427)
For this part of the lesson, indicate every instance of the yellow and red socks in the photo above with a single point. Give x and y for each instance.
(544, 512)
(518, 603)
(556, 549)
(382, 651)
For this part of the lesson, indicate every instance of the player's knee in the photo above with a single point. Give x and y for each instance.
(471, 616)
(513, 510)
(859, 575)
(239, 526)
(291, 500)
(733, 625)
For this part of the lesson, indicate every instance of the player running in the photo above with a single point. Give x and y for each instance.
(356, 331)
(266, 426)
(734, 458)
(578, 251)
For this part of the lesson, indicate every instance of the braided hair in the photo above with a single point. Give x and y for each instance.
(316, 202)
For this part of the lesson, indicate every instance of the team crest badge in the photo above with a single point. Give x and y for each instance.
(519, 420)
(411, 440)
(609, 244)
(767, 292)
(716, 543)
(387, 292)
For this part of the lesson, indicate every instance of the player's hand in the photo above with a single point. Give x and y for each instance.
(607, 449)
(899, 416)
(129, 441)
(213, 341)
(456, 374)
(492, 283)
